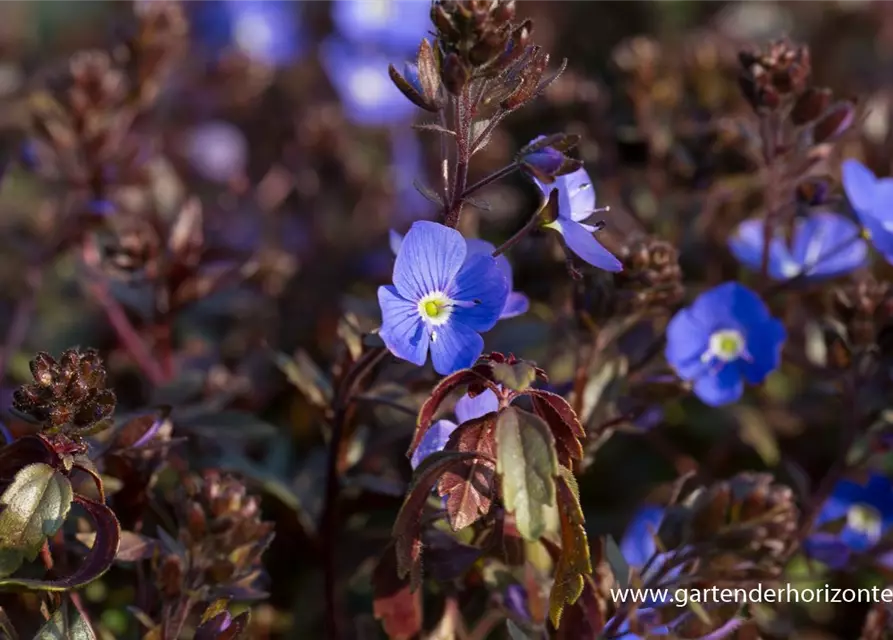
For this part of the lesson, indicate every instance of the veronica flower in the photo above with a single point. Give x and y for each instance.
(397, 25)
(369, 96)
(872, 200)
(440, 301)
(576, 204)
(727, 334)
(824, 245)
(862, 515)
(516, 303)
(268, 31)
(217, 150)
(467, 408)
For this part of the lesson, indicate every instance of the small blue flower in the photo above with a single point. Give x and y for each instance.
(268, 31)
(872, 200)
(361, 79)
(396, 25)
(726, 334)
(516, 303)
(576, 203)
(439, 299)
(516, 601)
(467, 408)
(637, 544)
(824, 245)
(866, 512)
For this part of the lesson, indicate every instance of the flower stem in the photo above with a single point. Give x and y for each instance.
(490, 179)
(523, 231)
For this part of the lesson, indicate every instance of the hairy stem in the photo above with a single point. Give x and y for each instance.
(493, 177)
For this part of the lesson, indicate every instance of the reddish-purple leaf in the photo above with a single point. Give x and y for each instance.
(445, 557)
(408, 526)
(98, 560)
(563, 422)
(396, 605)
(429, 409)
(469, 486)
(24, 451)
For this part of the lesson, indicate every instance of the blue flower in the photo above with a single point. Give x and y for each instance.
(396, 25)
(576, 203)
(824, 245)
(217, 150)
(439, 299)
(637, 544)
(268, 31)
(872, 200)
(362, 82)
(866, 513)
(516, 601)
(467, 408)
(727, 334)
(516, 303)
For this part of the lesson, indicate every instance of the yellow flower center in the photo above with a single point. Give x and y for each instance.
(436, 308)
(725, 345)
(865, 519)
(433, 309)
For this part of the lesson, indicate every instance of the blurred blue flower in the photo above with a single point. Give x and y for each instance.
(516, 601)
(467, 408)
(872, 200)
(217, 150)
(823, 245)
(440, 301)
(361, 79)
(866, 514)
(268, 31)
(726, 334)
(576, 203)
(516, 303)
(394, 25)
(408, 160)
(637, 544)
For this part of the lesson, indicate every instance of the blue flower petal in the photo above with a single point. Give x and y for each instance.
(827, 244)
(746, 245)
(846, 493)
(723, 387)
(396, 24)
(266, 30)
(361, 79)
(515, 305)
(729, 305)
(828, 549)
(687, 341)
(468, 408)
(584, 244)
(434, 440)
(456, 347)
(576, 195)
(880, 236)
(428, 261)
(858, 541)
(482, 286)
(764, 345)
(637, 544)
(394, 241)
(859, 183)
(402, 329)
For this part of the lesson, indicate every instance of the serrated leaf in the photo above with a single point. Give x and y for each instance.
(65, 625)
(440, 392)
(574, 563)
(563, 422)
(395, 604)
(407, 531)
(527, 461)
(618, 564)
(467, 486)
(33, 507)
(97, 562)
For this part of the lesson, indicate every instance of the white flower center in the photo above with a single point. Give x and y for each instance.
(368, 86)
(435, 309)
(375, 11)
(865, 519)
(725, 345)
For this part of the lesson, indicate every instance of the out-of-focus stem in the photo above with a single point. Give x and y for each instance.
(18, 328)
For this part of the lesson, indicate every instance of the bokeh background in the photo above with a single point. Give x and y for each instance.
(283, 123)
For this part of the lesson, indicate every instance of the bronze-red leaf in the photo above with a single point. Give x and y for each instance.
(395, 604)
(468, 486)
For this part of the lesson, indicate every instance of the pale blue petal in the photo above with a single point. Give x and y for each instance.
(395, 24)
(827, 244)
(429, 259)
(434, 440)
(455, 347)
(402, 329)
(637, 544)
(515, 305)
(687, 341)
(724, 387)
(468, 408)
(746, 245)
(395, 240)
(482, 287)
(879, 235)
(764, 344)
(576, 196)
(585, 245)
(859, 183)
(477, 246)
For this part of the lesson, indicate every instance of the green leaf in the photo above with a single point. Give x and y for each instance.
(66, 625)
(618, 564)
(527, 461)
(34, 507)
(517, 377)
